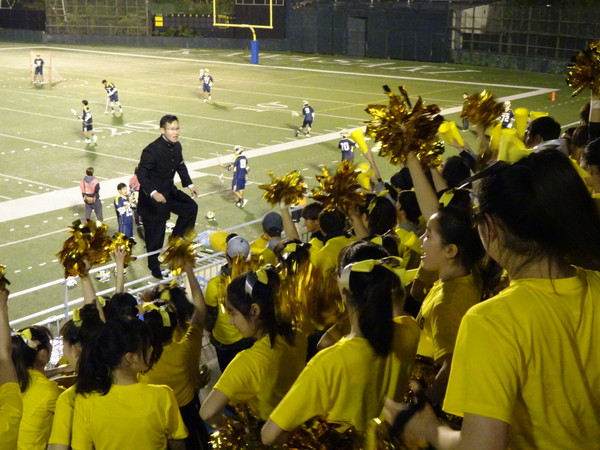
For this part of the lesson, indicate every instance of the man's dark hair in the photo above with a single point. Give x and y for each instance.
(167, 119)
(312, 211)
(545, 127)
(332, 223)
(121, 186)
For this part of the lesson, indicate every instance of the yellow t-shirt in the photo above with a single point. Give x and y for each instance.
(326, 259)
(214, 296)
(11, 411)
(529, 357)
(131, 417)
(62, 425)
(346, 382)
(178, 366)
(39, 402)
(441, 313)
(262, 375)
(400, 362)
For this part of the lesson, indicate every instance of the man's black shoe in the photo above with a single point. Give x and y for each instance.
(156, 273)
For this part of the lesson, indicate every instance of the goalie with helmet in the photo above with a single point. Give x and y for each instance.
(207, 81)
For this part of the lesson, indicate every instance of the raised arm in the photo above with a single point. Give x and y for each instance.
(119, 255)
(200, 310)
(89, 291)
(288, 224)
(426, 196)
(7, 369)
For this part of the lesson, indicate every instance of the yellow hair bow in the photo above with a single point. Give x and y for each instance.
(290, 248)
(102, 300)
(377, 240)
(27, 338)
(391, 263)
(150, 306)
(165, 295)
(447, 197)
(77, 316)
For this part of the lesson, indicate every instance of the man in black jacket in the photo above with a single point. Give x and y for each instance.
(158, 196)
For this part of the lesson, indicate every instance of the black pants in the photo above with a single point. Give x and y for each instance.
(186, 210)
(198, 436)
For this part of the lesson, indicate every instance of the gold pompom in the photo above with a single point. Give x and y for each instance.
(339, 191)
(87, 242)
(584, 70)
(318, 433)
(119, 240)
(180, 252)
(401, 128)
(482, 109)
(289, 189)
(3, 280)
(241, 432)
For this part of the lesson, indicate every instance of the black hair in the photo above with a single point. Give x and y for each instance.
(312, 210)
(545, 127)
(580, 137)
(121, 304)
(266, 297)
(121, 186)
(85, 102)
(155, 321)
(382, 216)
(456, 227)
(455, 171)
(544, 209)
(103, 81)
(167, 119)
(24, 357)
(184, 309)
(82, 331)
(105, 353)
(402, 180)
(410, 205)
(332, 223)
(371, 294)
(230, 236)
(89, 171)
(592, 153)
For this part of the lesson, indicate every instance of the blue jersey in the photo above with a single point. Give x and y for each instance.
(86, 116)
(506, 118)
(111, 89)
(39, 65)
(207, 82)
(240, 167)
(347, 147)
(308, 113)
(124, 215)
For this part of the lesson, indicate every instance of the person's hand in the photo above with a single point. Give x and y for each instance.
(157, 196)
(119, 255)
(194, 191)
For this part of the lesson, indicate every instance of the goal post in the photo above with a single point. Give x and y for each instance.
(252, 27)
(49, 73)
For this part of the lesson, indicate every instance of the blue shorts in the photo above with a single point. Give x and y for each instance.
(307, 123)
(39, 70)
(88, 127)
(206, 88)
(237, 184)
(114, 97)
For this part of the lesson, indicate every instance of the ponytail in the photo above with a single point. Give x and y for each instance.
(26, 344)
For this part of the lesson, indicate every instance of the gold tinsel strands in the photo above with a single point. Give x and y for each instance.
(289, 189)
(318, 433)
(482, 109)
(119, 240)
(584, 70)
(339, 191)
(3, 280)
(87, 242)
(401, 128)
(325, 305)
(296, 291)
(242, 432)
(181, 250)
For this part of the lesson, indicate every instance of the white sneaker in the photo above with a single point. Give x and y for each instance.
(95, 138)
(244, 202)
(87, 141)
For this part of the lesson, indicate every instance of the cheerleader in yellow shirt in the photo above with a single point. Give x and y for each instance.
(112, 409)
(11, 403)
(262, 374)
(349, 381)
(526, 368)
(31, 349)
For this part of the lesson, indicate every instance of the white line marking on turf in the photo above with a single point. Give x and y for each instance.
(29, 181)
(31, 192)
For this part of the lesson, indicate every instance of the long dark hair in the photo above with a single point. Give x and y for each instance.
(246, 289)
(371, 295)
(83, 330)
(100, 358)
(544, 209)
(24, 352)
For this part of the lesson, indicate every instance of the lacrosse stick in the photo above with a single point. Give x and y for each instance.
(75, 113)
(106, 107)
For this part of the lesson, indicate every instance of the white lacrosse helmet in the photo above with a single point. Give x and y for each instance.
(238, 149)
(344, 133)
(305, 102)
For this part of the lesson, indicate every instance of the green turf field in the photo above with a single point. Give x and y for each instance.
(43, 156)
